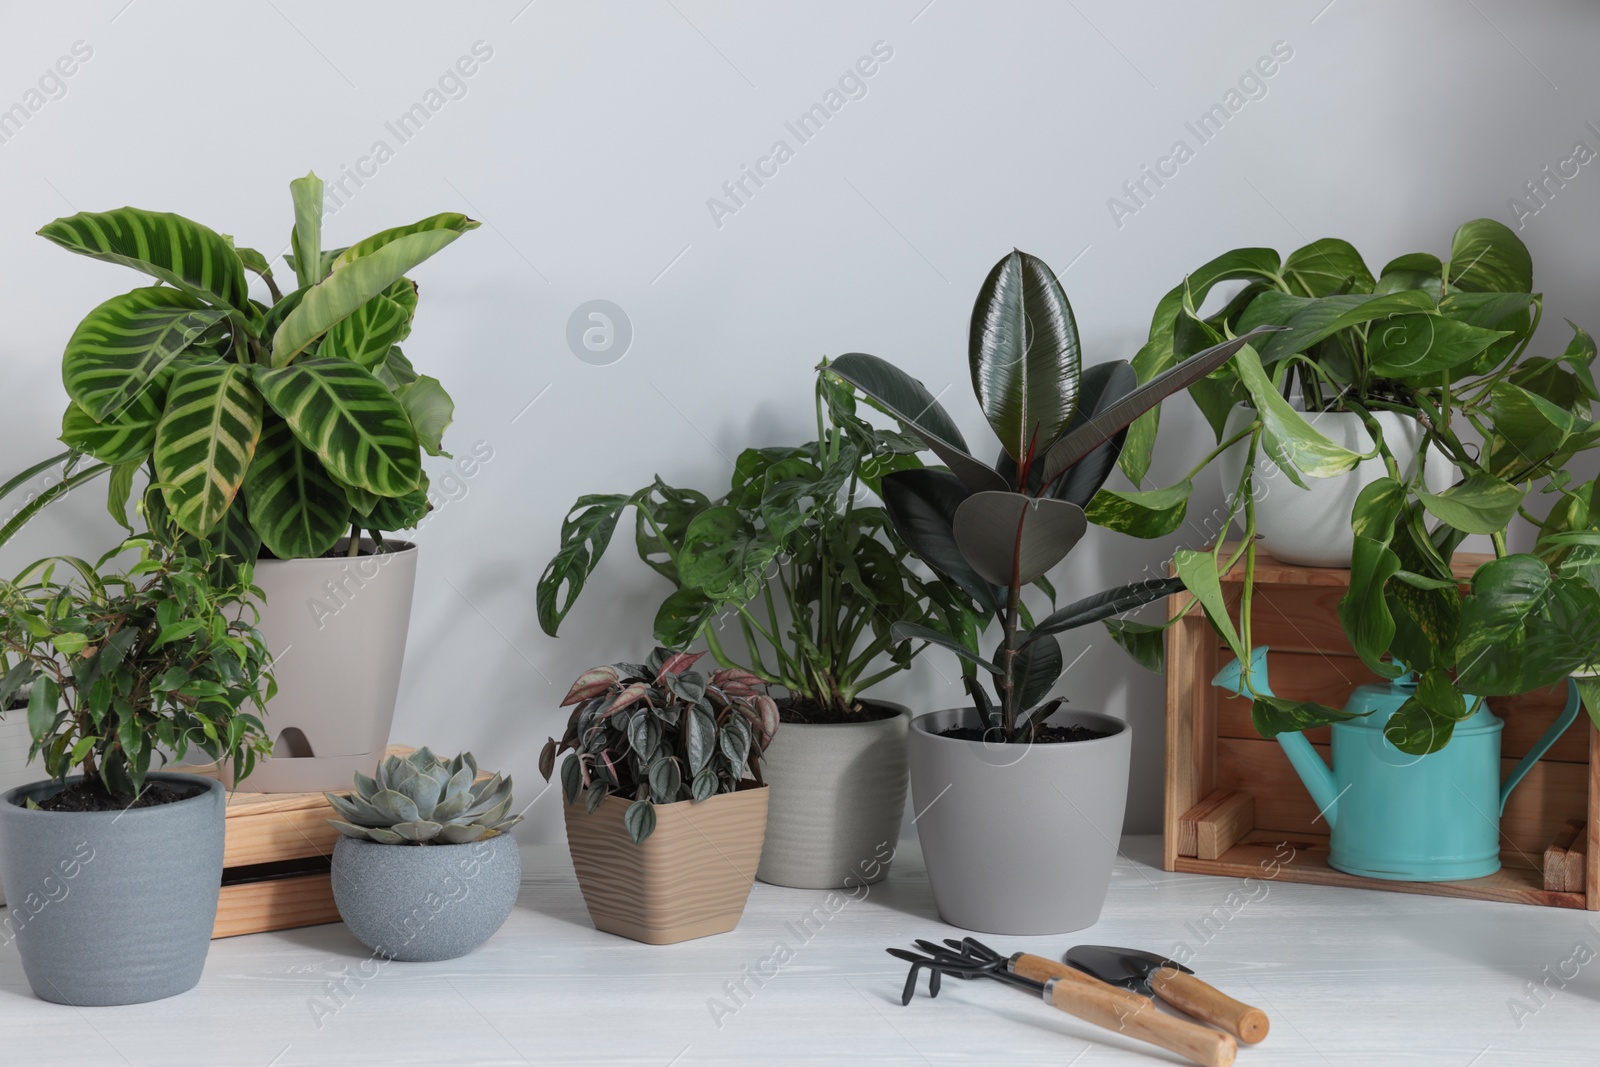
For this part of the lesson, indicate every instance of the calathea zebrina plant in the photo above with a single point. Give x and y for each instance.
(282, 424)
(993, 530)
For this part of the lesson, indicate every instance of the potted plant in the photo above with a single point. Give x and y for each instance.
(809, 568)
(665, 805)
(991, 531)
(113, 872)
(423, 868)
(1440, 346)
(1368, 360)
(279, 428)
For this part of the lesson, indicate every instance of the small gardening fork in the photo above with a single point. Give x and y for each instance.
(1080, 995)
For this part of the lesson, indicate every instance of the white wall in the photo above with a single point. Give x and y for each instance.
(589, 143)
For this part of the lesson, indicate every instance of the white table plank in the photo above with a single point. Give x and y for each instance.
(1348, 976)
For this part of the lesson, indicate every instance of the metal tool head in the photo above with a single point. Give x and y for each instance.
(1127, 967)
(964, 959)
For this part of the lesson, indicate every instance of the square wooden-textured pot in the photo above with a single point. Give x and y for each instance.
(689, 879)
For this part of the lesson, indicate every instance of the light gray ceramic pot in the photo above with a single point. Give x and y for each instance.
(838, 795)
(1019, 839)
(425, 902)
(112, 907)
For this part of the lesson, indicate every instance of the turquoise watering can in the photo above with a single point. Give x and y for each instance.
(1392, 815)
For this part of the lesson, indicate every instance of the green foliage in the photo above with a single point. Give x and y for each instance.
(659, 732)
(192, 378)
(421, 799)
(1444, 344)
(991, 531)
(813, 576)
(115, 666)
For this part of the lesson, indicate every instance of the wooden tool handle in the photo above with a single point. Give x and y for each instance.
(1189, 994)
(1106, 1006)
(1040, 969)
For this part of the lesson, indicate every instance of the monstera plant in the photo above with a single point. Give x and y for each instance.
(282, 424)
(992, 530)
(1439, 346)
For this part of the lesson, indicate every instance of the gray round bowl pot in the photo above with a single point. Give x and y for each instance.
(425, 902)
(1019, 839)
(838, 793)
(112, 907)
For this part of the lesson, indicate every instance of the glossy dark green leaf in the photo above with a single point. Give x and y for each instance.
(906, 631)
(1151, 513)
(1036, 670)
(1321, 318)
(1023, 354)
(1291, 441)
(922, 505)
(1145, 642)
(1327, 266)
(681, 617)
(1101, 606)
(1523, 629)
(1420, 345)
(1199, 573)
(640, 820)
(585, 533)
(1274, 715)
(1012, 539)
(1478, 504)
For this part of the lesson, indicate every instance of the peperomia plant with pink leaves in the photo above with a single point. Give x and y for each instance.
(659, 732)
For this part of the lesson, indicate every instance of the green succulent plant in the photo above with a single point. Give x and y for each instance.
(421, 799)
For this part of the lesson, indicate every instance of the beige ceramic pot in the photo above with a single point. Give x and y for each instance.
(689, 879)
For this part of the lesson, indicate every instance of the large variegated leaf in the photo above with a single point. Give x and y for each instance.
(399, 512)
(349, 419)
(306, 239)
(368, 333)
(295, 505)
(127, 344)
(205, 440)
(124, 437)
(430, 410)
(361, 272)
(182, 253)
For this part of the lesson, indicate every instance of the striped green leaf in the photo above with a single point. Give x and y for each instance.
(295, 505)
(126, 437)
(306, 240)
(399, 512)
(180, 252)
(361, 272)
(430, 410)
(367, 335)
(205, 440)
(349, 419)
(126, 345)
(233, 537)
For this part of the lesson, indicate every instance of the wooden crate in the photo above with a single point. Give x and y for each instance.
(1235, 806)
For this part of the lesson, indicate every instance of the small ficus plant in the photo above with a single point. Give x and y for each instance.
(115, 666)
(659, 732)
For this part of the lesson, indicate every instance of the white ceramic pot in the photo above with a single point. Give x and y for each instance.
(336, 628)
(1310, 527)
(838, 793)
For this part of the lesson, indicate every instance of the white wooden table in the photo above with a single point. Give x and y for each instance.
(1348, 977)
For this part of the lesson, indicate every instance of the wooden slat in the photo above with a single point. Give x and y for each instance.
(1544, 800)
(1555, 855)
(1591, 871)
(1191, 717)
(1304, 858)
(1189, 824)
(280, 904)
(1227, 823)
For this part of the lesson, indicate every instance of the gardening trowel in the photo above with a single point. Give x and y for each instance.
(1158, 976)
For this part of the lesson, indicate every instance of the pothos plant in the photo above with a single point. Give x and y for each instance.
(1442, 343)
(659, 732)
(281, 424)
(120, 668)
(992, 530)
(795, 553)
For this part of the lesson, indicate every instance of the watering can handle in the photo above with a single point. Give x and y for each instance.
(1568, 716)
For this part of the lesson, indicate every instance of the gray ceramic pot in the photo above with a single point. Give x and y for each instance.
(425, 902)
(1019, 839)
(838, 795)
(112, 907)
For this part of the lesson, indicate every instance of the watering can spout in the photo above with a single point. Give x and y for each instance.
(1251, 680)
(1568, 716)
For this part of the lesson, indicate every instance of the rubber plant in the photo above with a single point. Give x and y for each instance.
(1442, 342)
(796, 552)
(120, 668)
(992, 530)
(659, 732)
(282, 424)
